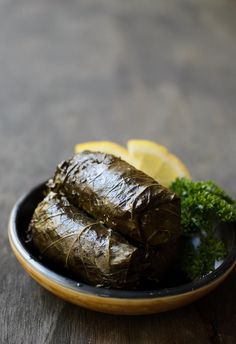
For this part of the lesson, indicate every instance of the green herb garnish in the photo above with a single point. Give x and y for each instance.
(203, 206)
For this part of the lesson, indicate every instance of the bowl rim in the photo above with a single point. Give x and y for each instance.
(84, 288)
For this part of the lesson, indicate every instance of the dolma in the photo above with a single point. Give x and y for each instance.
(159, 261)
(120, 196)
(71, 239)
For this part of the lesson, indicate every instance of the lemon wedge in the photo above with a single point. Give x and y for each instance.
(156, 161)
(106, 147)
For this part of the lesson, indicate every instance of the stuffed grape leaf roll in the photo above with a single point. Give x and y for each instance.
(120, 196)
(90, 251)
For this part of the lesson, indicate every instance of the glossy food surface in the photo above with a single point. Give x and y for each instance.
(81, 244)
(69, 239)
(121, 196)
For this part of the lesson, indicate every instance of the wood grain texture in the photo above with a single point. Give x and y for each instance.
(73, 71)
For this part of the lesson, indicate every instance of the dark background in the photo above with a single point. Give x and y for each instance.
(74, 71)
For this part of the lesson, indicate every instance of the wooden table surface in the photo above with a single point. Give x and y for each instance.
(74, 71)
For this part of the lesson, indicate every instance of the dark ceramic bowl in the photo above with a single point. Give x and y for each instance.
(108, 300)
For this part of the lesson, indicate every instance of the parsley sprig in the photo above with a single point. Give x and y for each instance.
(203, 205)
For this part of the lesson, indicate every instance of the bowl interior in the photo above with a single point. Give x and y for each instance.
(177, 284)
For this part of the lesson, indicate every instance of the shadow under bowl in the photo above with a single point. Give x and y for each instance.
(109, 300)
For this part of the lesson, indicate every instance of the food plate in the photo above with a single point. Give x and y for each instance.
(109, 300)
